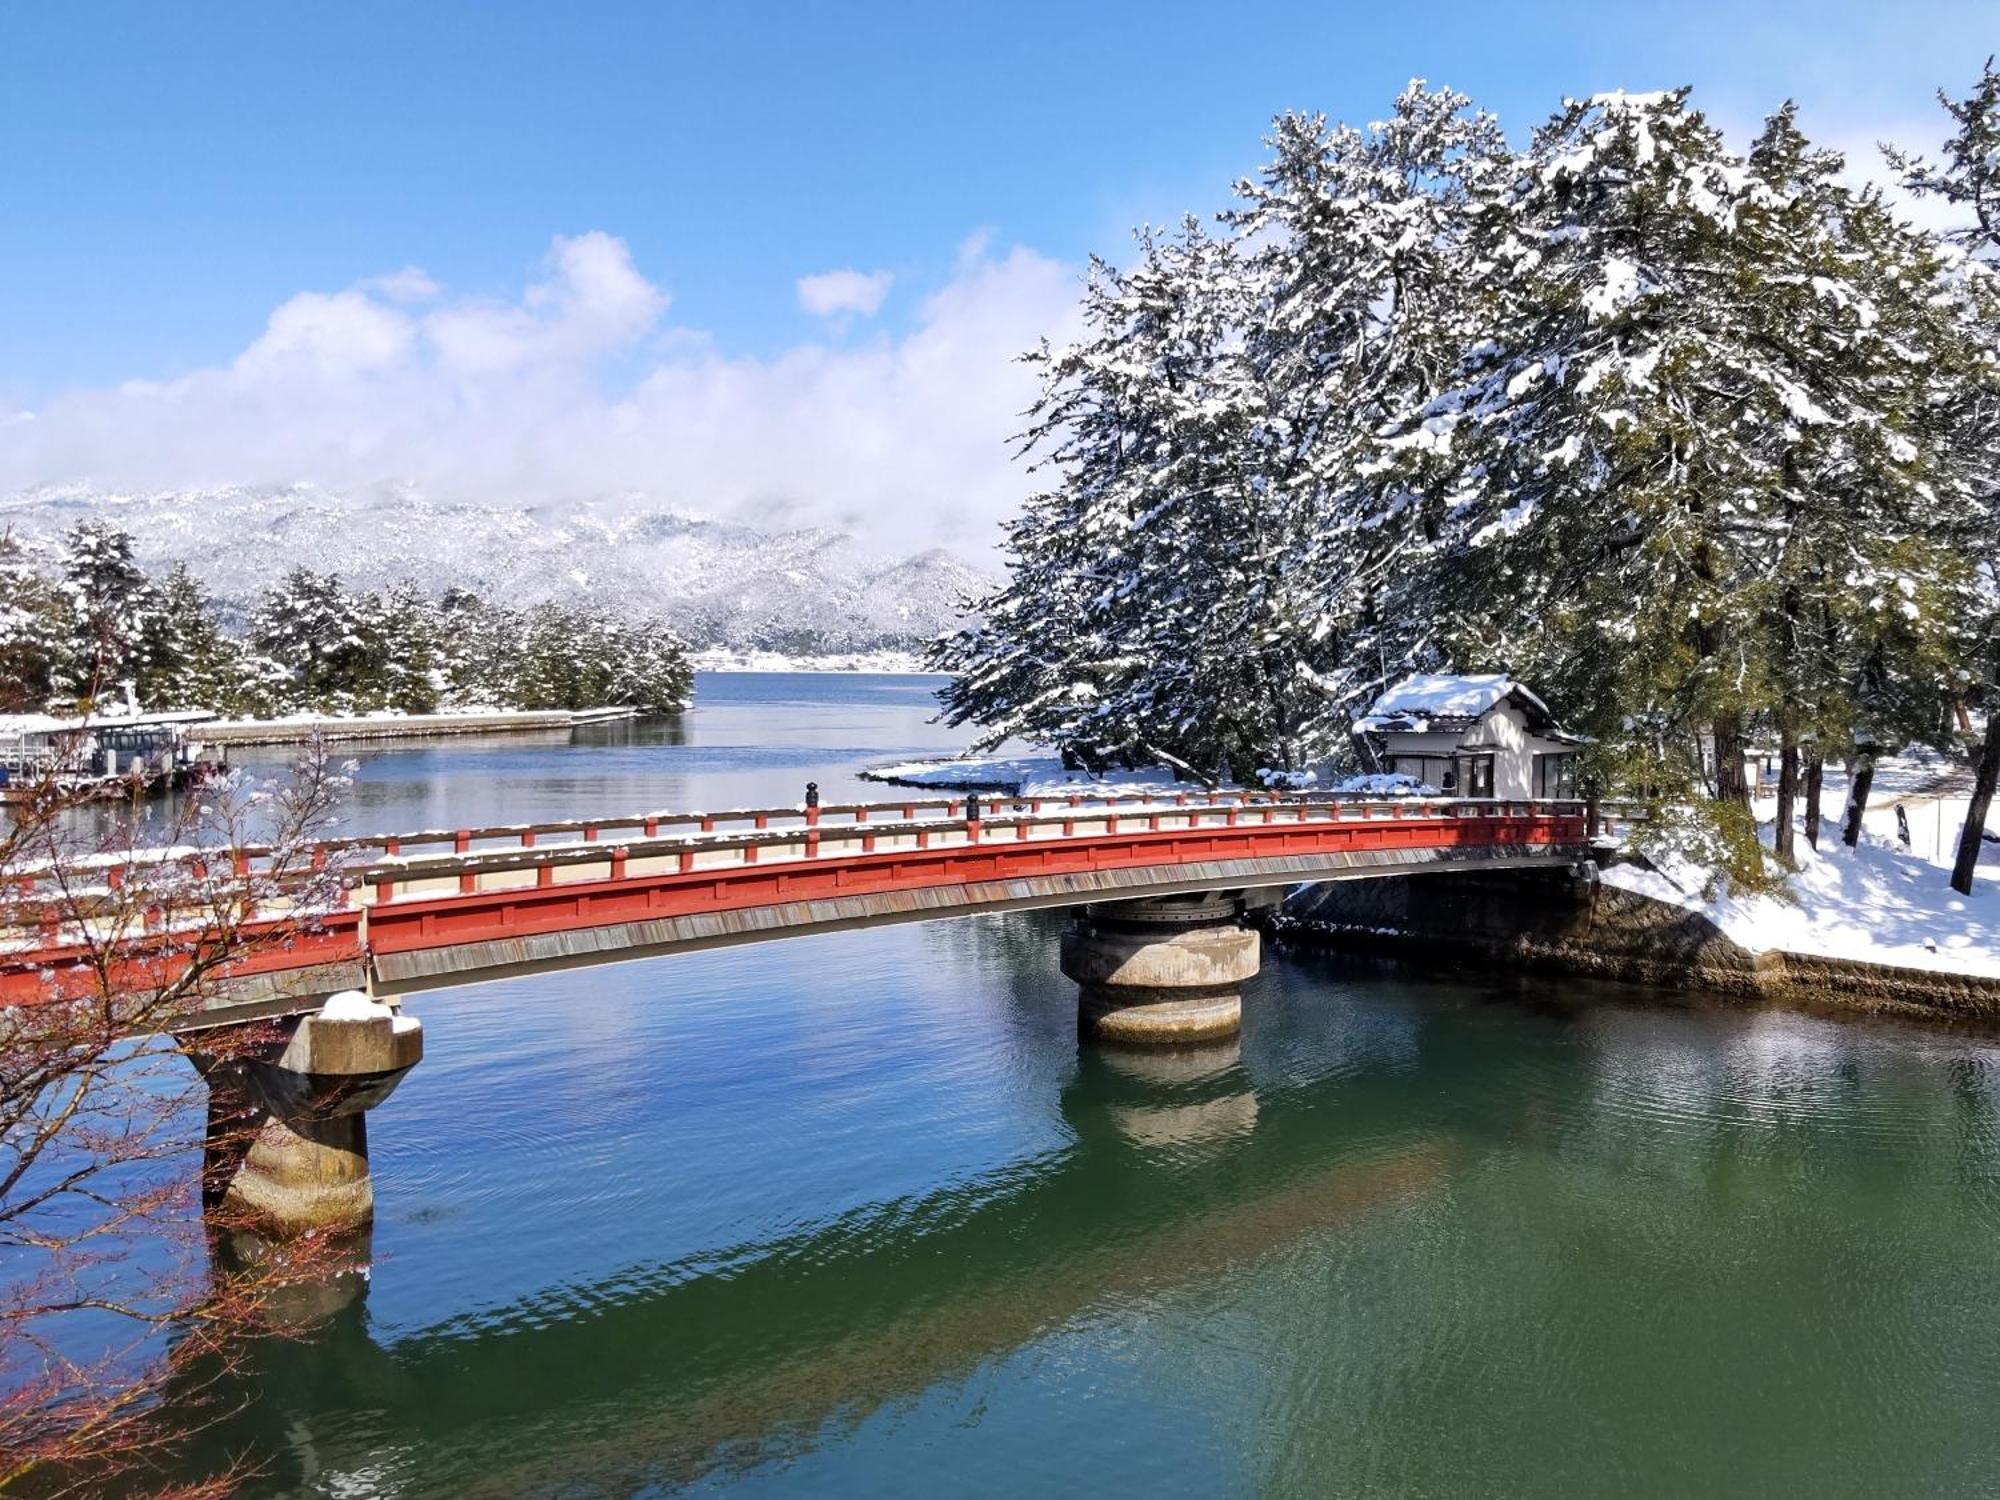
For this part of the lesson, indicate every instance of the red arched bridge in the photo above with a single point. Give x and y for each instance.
(456, 906)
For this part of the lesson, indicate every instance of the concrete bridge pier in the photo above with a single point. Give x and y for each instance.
(288, 1122)
(1162, 971)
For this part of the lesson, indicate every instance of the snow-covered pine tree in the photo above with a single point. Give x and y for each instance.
(310, 626)
(568, 658)
(111, 608)
(1358, 244)
(1063, 653)
(1968, 176)
(407, 635)
(33, 630)
(1178, 610)
(1862, 559)
(189, 662)
(1213, 578)
(654, 675)
(1610, 533)
(476, 646)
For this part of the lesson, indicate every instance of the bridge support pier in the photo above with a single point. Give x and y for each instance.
(288, 1130)
(1165, 971)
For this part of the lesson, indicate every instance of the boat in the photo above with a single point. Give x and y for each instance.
(108, 756)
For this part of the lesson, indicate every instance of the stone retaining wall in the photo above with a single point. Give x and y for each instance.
(1532, 919)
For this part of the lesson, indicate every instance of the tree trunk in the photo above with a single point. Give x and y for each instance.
(1982, 798)
(1857, 799)
(1815, 776)
(1730, 783)
(1783, 840)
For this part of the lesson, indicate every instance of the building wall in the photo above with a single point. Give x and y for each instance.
(1503, 734)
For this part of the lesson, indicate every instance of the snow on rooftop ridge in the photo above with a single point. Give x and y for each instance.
(1444, 694)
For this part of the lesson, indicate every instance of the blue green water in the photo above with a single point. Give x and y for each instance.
(856, 1214)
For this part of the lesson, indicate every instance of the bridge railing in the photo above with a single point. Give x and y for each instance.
(802, 837)
(442, 862)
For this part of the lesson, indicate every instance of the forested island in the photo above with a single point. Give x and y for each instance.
(77, 626)
(1701, 442)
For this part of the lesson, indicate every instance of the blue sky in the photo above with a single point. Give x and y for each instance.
(174, 174)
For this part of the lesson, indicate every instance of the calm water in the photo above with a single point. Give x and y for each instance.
(854, 1215)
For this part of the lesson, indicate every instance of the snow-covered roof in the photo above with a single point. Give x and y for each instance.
(1445, 701)
(12, 726)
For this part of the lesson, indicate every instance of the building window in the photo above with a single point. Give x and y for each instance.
(1475, 775)
(1438, 772)
(1555, 774)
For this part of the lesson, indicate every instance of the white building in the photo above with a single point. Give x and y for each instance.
(1473, 736)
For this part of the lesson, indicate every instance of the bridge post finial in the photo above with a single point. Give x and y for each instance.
(812, 794)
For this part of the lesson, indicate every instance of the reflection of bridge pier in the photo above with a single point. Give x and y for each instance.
(1186, 1099)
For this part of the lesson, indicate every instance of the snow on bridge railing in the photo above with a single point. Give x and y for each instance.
(789, 836)
(805, 837)
(734, 836)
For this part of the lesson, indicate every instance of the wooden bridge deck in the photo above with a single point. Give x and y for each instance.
(458, 906)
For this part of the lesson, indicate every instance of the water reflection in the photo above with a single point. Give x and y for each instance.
(678, 1371)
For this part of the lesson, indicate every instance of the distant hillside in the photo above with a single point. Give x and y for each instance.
(722, 585)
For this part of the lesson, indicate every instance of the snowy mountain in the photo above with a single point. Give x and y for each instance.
(804, 592)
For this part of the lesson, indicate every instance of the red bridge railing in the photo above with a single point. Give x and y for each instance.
(443, 887)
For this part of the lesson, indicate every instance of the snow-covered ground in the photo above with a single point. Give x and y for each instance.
(1020, 776)
(1880, 901)
(724, 660)
(1044, 776)
(1876, 902)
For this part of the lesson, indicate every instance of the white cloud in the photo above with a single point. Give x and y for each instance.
(575, 389)
(336, 334)
(845, 291)
(411, 284)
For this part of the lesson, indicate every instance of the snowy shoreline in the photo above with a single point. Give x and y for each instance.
(881, 663)
(1016, 776)
(1880, 902)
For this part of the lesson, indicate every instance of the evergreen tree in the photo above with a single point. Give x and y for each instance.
(111, 608)
(1687, 437)
(314, 631)
(189, 662)
(1969, 177)
(653, 675)
(1691, 448)
(1055, 657)
(33, 631)
(1365, 245)
(405, 634)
